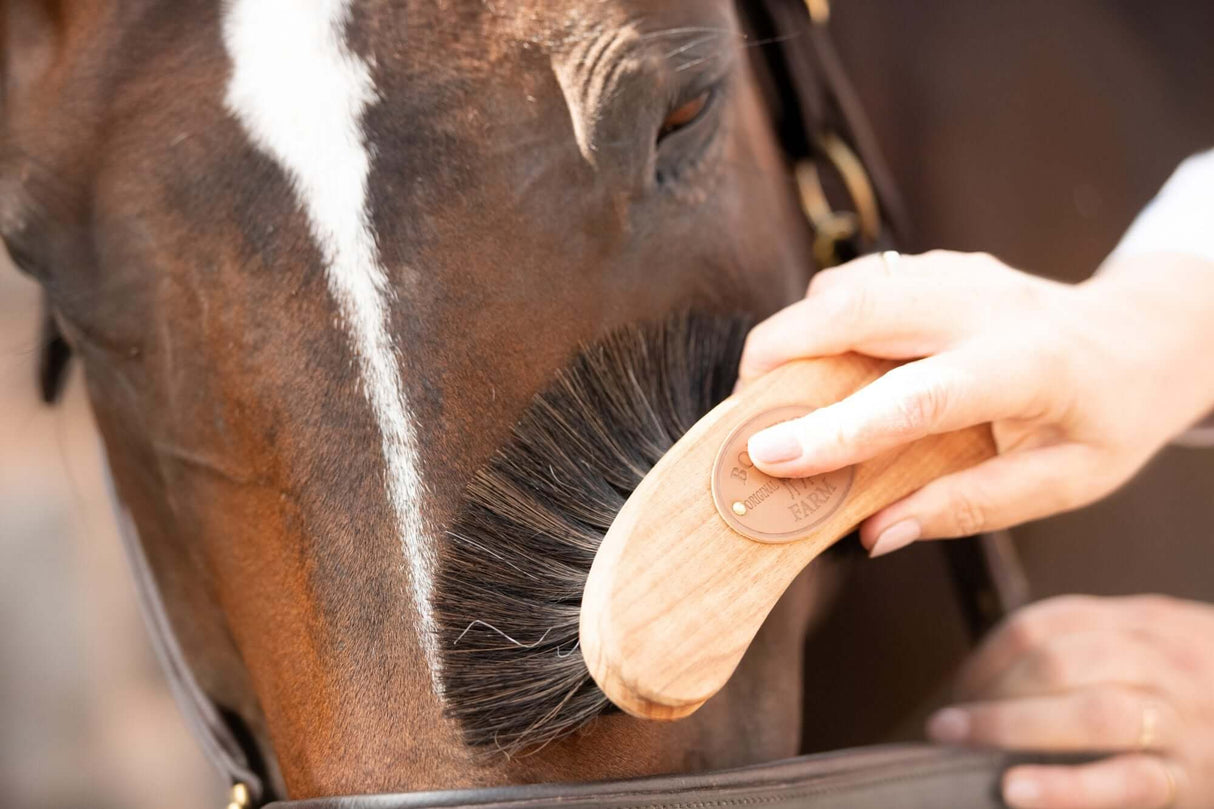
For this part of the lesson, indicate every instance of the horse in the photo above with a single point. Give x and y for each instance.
(315, 260)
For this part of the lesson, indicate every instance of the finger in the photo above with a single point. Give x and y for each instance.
(1027, 629)
(1103, 718)
(1169, 617)
(1133, 781)
(1079, 660)
(949, 391)
(1003, 491)
(913, 310)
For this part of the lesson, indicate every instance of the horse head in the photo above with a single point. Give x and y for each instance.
(317, 259)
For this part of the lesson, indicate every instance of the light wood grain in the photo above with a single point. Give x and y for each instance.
(675, 596)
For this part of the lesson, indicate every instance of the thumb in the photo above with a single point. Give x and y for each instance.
(1004, 491)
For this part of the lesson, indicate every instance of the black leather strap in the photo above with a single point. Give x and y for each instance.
(902, 776)
(206, 721)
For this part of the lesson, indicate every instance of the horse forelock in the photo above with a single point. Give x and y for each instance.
(300, 94)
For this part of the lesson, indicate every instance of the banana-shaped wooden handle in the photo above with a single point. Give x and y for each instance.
(706, 544)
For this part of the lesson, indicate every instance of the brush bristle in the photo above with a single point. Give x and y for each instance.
(531, 520)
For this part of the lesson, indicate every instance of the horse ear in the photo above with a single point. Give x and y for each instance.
(53, 356)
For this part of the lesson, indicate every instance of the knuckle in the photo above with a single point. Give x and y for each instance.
(1051, 668)
(1001, 270)
(1072, 603)
(850, 303)
(981, 264)
(1064, 609)
(1028, 292)
(753, 338)
(823, 280)
(993, 725)
(834, 436)
(1024, 631)
(1155, 605)
(968, 516)
(916, 412)
(1106, 715)
(1191, 661)
(760, 340)
(1143, 781)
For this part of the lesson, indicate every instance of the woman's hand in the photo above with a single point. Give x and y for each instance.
(1133, 676)
(1082, 383)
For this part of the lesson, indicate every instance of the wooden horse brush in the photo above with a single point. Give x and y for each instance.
(706, 544)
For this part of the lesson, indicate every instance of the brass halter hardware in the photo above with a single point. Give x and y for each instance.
(819, 11)
(832, 227)
(239, 797)
(860, 226)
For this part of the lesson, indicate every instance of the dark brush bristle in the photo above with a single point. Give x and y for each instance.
(531, 520)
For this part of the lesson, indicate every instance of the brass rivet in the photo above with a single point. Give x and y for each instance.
(739, 508)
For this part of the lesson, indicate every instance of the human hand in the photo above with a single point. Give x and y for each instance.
(1082, 384)
(1132, 676)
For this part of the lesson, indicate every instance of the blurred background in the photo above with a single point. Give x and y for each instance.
(86, 720)
(1033, 129)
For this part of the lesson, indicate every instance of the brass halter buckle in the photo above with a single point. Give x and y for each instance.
(835, 227)
(239, 797)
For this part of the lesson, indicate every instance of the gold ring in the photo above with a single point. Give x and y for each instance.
(1149, 726)
(1171, 776)
(891, 259)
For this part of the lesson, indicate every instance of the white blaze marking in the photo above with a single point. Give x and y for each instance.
(300, 95)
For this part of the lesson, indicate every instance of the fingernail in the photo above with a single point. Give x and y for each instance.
(1021, 791)
(949, 726)
(775, 445)
(898, 535)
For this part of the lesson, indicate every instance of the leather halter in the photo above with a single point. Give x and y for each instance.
(905, 776)
(824, 133)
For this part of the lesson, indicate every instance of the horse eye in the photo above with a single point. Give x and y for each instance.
(684, 115)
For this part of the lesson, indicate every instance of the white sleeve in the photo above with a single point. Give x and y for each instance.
(1179, 220)
(1181, 217)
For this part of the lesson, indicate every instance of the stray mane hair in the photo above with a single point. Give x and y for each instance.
(519, 551)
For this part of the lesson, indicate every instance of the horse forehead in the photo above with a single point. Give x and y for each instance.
(300, 93)
(305, 80)
(304, 77)
(481, 32)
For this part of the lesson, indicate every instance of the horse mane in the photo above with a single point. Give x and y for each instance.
(519, 550)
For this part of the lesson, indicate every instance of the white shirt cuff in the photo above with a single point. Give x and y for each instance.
(1181, 217)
